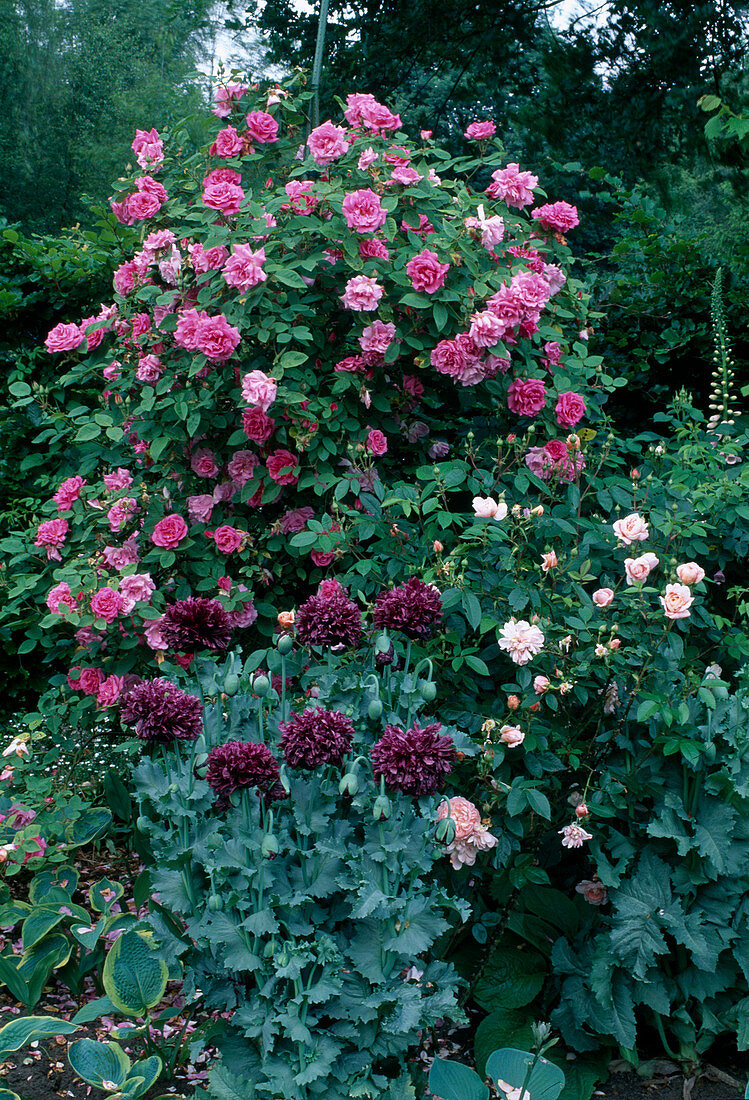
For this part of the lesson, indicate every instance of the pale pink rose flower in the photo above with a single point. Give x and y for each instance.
(602, 597)
(690, 573)
(574, 836)
(470, 837)
(137, 588)
(259, 390)
(362, 294)
(521, 640)
(61, 594)
(404, 175)
(631, 528)
(199, 508)
(486, 508)
(149, 149)
(119, 557)
(367, 158)
(486, 329)
(639, 569)
(541, 684)
(677, 601)
(153, 635)
(327, 143)
(513, 186)
(377, 337)
(122, 511)
(512, 736)
(549, 561)
(594, 892)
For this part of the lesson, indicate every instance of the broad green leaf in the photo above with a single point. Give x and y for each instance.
(99, 1062)
(134, 976)
(452, 1081)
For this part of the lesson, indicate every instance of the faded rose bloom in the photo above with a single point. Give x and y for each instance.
(593, 890)
(241, 467)
(203, 463)
(137, 588)
(631, 528)
(512, 736)
(154, 637)
(602, 597)
(225, 98)
(199, 508)
(377, 337)
(541, 684)
(486, 508)
(121, 512)
(639, 569)
(295, 520)
(549, 561)
(521, 640)
(574, 836)
(470, 835)
(677, 601)
(690, 573)
(259, 389)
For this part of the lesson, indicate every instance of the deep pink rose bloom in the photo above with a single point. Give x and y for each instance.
(257, 425)
(377, 442)
(121, 511)
(363, 211)
(68, 492)
(203, 463)
(187, 327)
(278, 465)
(514, 187)
(426, 272)
(377, 337)
(364, 111)
(526, 398)
(64, 338)
(295, 520)
(208, 259)
(225, 98)
(556, 216)
(216, 338)
(228, 144)
(61, 594)
(480, 131)
(95, 336)
(199, 508)
(244, 268)
(486, 329)
(148, 148)
(150, 369)
(371, 248)
(507, 307)
(352, 363)
(169, 532)
(142, 205)
(106, 604)
(110, 691)
(258, 389)
(228, 539)
(302, 199)
(51, 533)
(570, 409)
(90, 680)
(241, 467)
(227, 198)
(327, 143)
(125, 277)
(262, 127)
(362, 294)
(459, 358)
(120, 479)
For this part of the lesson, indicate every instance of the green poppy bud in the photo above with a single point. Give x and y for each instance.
(270, 846)
(374, 710)
(143, 824)
(231, 684)
(428, 691)
(382, 808)
(382, 643)
(269, 950)
(285, 644)
(445, 831)
(261, 686)
(348, 785)
(215, 903)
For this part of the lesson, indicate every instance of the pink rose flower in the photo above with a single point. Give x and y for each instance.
(244, 268)
(512, 736)
(486, 329)
(632, 528)
(363, 211)
(199, 508)
(119, 479)
(512, 186)
(480, 131)
(690, 573)
(207, 259)
(216, 338)
(677, 601)
(549, 561)
(281, 466)
(574, 836)
(593, 890)
(426, 272)
(150, 369)
(521, 639)
(228, 144)
(541, 684)
(404, 175)
(52, 533)
(526, 398)
(362, 294)
(257, 425)
(295, 520)
(459, 358)
(227, 198)
(570, 409)
(557, 216)
(119, 557)
(90, 680)
(377, 443)
(372, 248)
(169, 532)
(302, 198)
(365, 112)
(366, 159)
(137, 588)
(327, 143)
(68, 492)
(203, 463)
(149, 149)
(110, 691)
(602, 597)
(154, 637)
(121, 511)
(487, 508)
(377, 337)
(258, 389)
(639, 569)
(228, 539)
(242, 466)
(106, 604)
(262, 127)
(225, 97)
(187, 326)
(64, 338)
(58, 595)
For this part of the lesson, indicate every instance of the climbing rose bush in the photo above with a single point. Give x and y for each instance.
(291, 323)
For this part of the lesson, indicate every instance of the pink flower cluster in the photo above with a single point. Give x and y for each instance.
(213, 336)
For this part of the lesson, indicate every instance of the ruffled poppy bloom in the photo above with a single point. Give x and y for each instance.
(329, 618)
(415, 608)
(196, 623)
(237, 765)
(161, 712)
(316, 737)
(414, 761)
